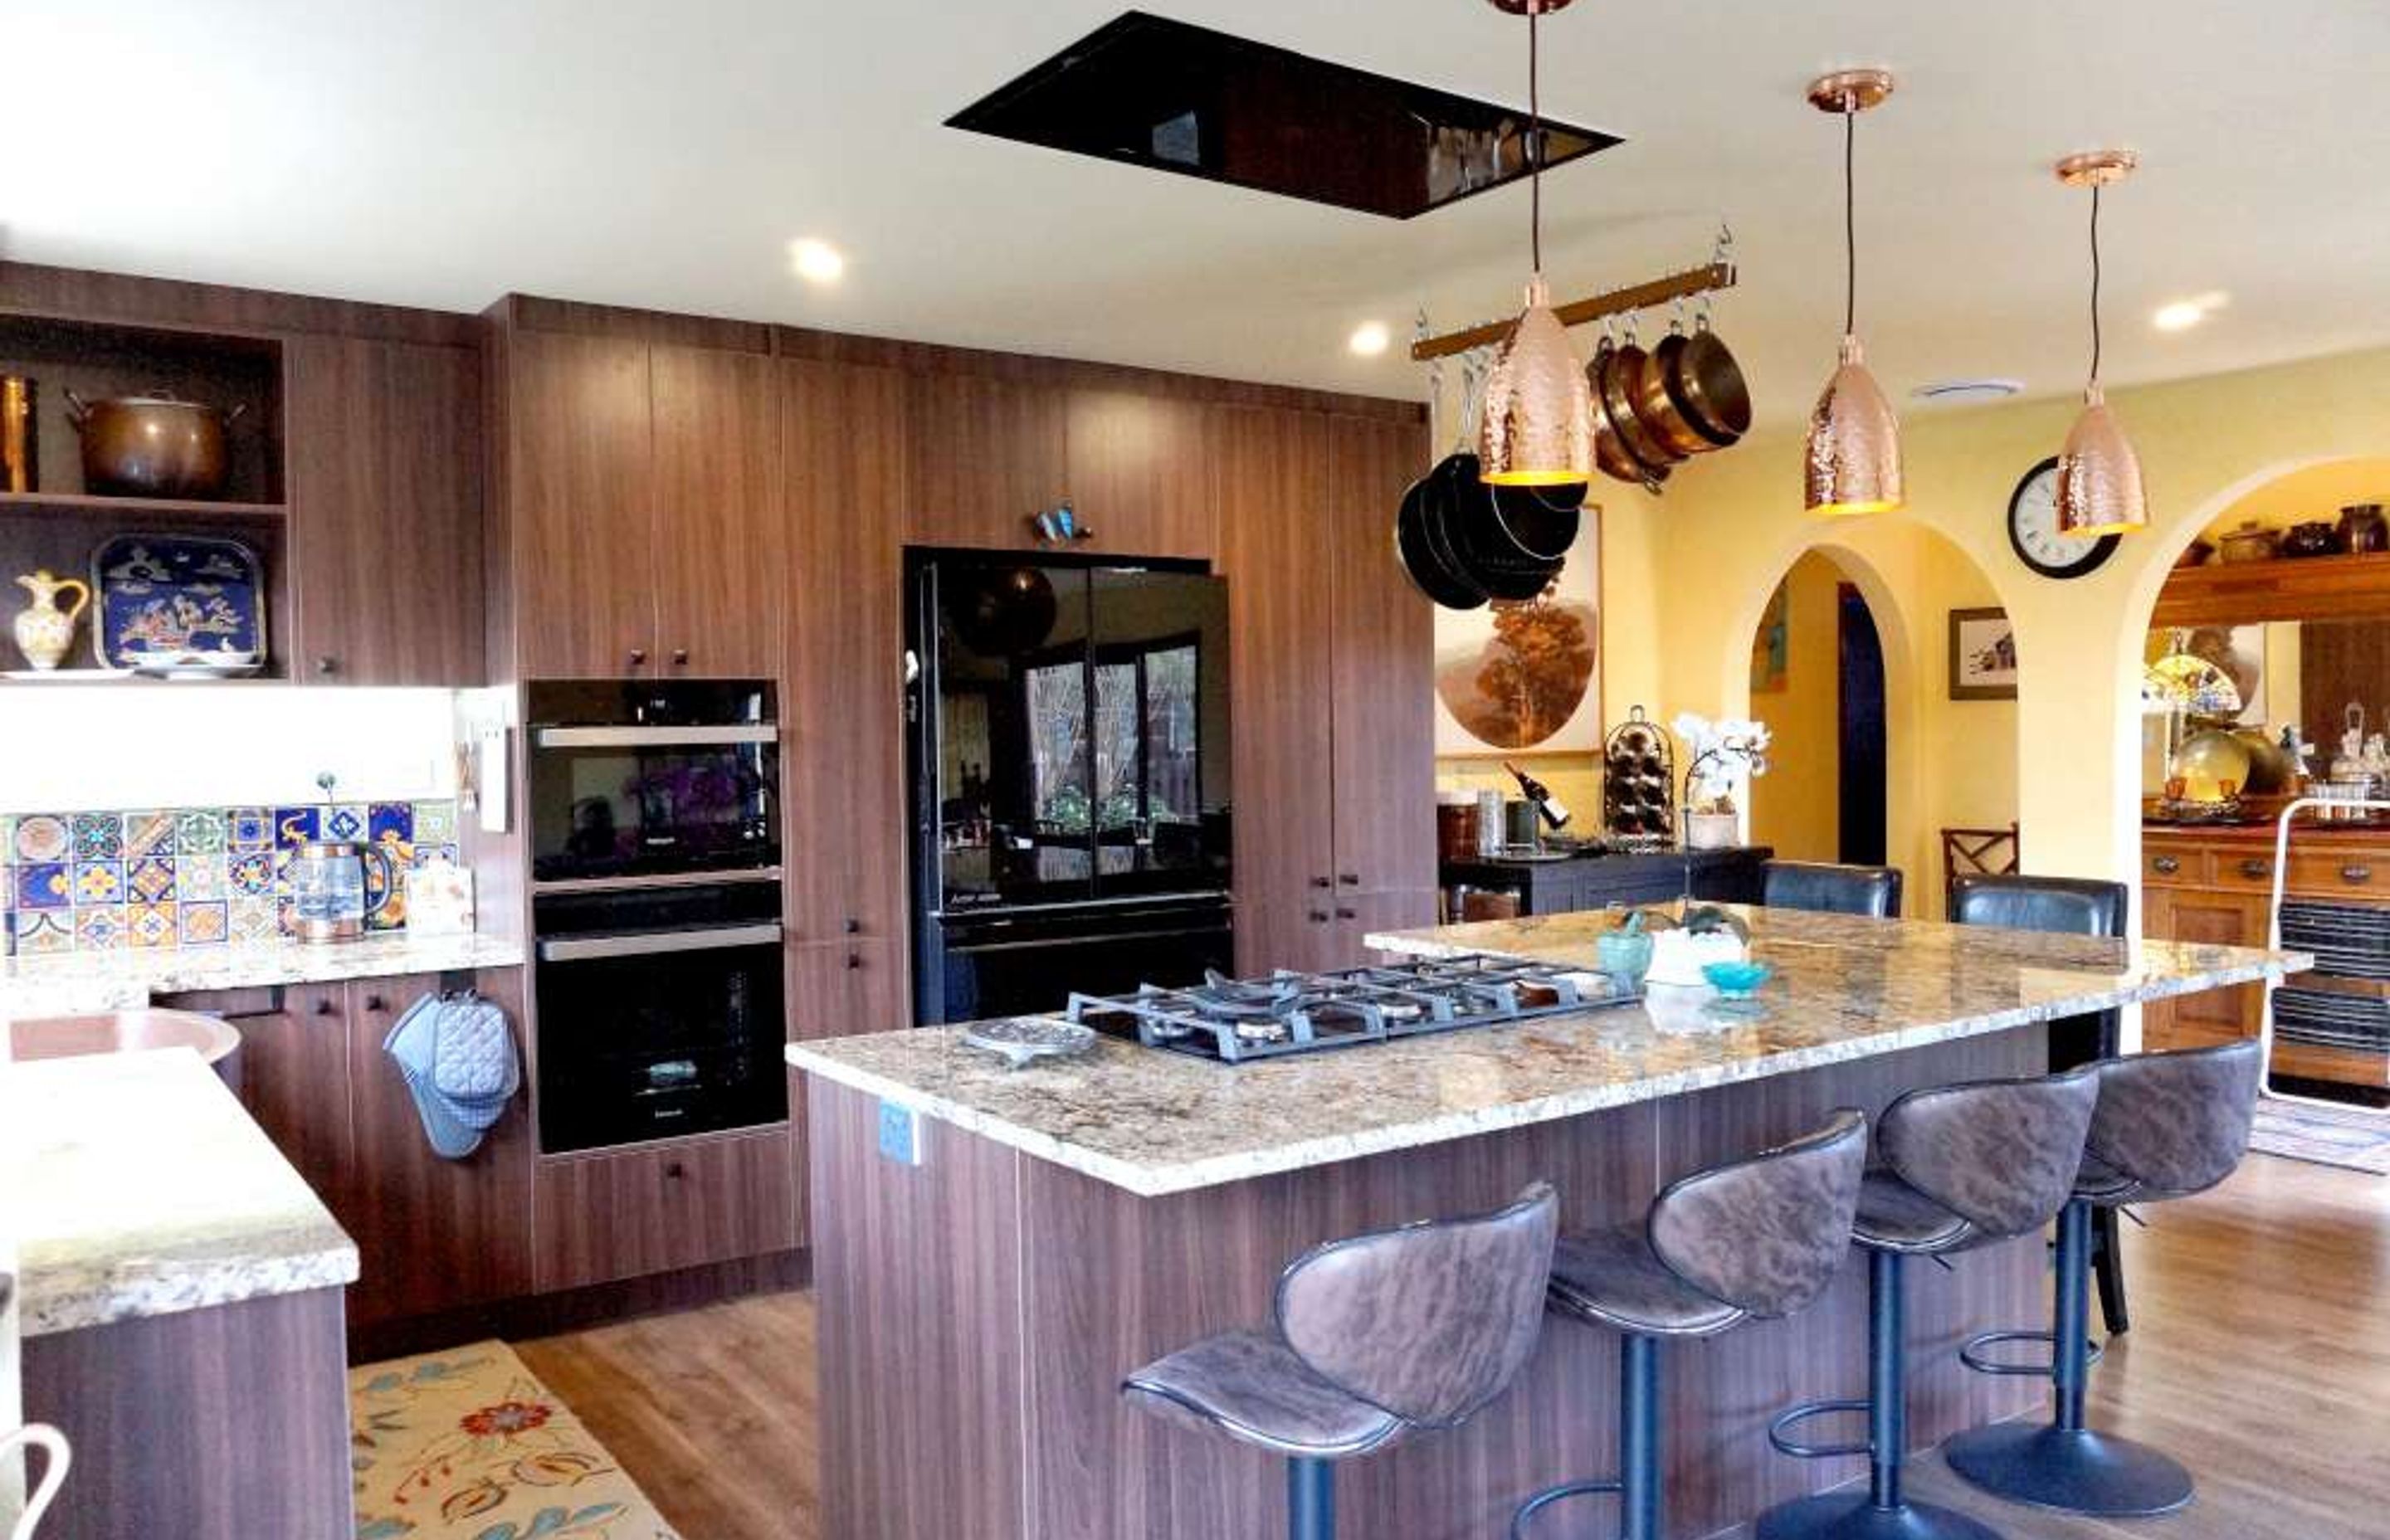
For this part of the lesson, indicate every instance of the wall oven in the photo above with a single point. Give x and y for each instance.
(633, 779)
(659, 1013)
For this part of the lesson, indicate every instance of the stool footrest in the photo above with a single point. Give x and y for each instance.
(1971, 1352)
(1779, 1431)
(1551, 1495)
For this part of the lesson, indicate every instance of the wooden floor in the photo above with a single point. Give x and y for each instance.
(2259, 1356)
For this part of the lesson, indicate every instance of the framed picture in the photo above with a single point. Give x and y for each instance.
(1525, 678)
(1771, 645)
(1983, 655)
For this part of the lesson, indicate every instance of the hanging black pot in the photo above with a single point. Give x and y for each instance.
(1431, 570)
(1540, 521)
(1482, 553)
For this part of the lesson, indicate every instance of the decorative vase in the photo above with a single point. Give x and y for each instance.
(45, 632)
(2363, 531)
(1712, 830)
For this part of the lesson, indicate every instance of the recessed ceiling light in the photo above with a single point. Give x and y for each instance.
(2183, 315)
(816, 260)
(1369, 338)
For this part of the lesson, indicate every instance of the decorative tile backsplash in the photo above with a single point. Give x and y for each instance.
(192, 875)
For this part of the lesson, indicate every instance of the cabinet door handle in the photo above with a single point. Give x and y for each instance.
(638, 656)
(854, 926)
(2255, 867)
(1318, 917)
(2355, 872)
(680, 656)
(1350, 879)
(675, 1171)
(854, 960)
(328, 664)
(1348, 914)
(2166, 866)
(1321, 882)
(373, 1003)
(326, 1008)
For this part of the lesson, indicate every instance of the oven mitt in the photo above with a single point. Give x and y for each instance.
(458, 1053)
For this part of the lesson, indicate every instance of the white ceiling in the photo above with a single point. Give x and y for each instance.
(440, 152)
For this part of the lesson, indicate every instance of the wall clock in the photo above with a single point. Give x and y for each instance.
(2033, 533)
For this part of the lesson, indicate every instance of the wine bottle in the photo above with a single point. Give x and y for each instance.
(1554, 812)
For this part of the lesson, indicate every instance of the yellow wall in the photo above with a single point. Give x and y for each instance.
(1796, 807)
(1735, 523)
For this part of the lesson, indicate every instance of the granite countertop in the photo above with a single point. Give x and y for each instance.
(1156, 1123)
(75, 983)
(143, 1189)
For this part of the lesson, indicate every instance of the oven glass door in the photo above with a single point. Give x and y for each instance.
(657, 1034)
(628, 801)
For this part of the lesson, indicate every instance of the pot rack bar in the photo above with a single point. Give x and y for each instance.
(1617, 301)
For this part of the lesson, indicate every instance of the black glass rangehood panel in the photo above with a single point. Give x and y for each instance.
(1176, 97)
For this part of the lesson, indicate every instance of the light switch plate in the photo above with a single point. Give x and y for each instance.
(900, 1134)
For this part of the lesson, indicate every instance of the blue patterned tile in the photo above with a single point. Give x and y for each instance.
(388, 821)
(43, 885)
(296, 826)
(250, 873)
(345, 821)
(199, 831)
(149, 879)
(98, 882)
(249, 828)
(41, 932)
(208, 924)
(152, 925)
(98, 836)
(101, 927)
(201, 875)
(41, 836)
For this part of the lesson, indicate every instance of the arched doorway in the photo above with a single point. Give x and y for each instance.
(1817, 680)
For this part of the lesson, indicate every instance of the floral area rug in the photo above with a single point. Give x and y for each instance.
(469, 1445)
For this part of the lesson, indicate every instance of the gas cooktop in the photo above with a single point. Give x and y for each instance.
(1237, 1019)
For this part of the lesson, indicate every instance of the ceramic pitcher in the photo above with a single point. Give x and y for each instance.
(45, 632)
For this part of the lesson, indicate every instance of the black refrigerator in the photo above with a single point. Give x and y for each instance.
(1068, 770)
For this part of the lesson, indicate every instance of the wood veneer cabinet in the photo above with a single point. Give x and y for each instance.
(384, 451)
(1334, 746)
(640, 496)
(655, 1209)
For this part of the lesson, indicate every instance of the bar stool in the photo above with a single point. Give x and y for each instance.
(1968, 1166)
(1756, 1239)
(2070, 906)
(1873, 891)
(1372, 1338)
(2169, 1125)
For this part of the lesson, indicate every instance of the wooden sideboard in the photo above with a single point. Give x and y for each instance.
(2215, 886)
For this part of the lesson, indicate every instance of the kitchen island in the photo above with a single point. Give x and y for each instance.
(993, 1248)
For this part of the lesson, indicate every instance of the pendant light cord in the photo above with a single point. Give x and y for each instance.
(2095, 285)
(1534, 141)
(1850, 219)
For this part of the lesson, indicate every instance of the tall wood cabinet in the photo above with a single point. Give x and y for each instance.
(641, 497)
(1335, 752)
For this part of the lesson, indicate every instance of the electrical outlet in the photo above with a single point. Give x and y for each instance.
(900, 1134)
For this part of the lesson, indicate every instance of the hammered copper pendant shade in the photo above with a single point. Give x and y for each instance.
(1538, 423)
(2099, 487)
(1853, 458)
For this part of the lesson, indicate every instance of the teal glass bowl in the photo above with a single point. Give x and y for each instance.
(1737, 980)
(1626, 955)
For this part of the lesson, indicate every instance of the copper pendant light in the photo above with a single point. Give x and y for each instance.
(1853, 461)
(1538, 423)
(2100, 489)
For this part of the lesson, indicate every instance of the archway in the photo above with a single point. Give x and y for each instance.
(1817, 679)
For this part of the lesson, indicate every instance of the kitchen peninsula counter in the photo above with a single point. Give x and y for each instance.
(78, 983)
(994, 1249)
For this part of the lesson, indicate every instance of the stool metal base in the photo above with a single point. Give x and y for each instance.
(1854, 1516)
(2070, 1469)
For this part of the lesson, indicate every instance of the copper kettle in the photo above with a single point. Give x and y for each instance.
(156, 445)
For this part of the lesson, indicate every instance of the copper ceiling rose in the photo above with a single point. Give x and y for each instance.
(2100, 486)
(1852, 464)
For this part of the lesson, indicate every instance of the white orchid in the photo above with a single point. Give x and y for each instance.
(1724, 753)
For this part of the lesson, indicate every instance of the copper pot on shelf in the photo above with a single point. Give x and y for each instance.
(2363, 530)
(155, 445)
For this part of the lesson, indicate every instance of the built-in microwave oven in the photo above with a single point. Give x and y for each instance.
(656, 778)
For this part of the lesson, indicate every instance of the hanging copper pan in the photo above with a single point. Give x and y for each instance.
(1618, 387)
(1706, 387)
(1610, 449)
(1654, 406)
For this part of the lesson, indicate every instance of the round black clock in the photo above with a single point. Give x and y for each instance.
(2035, 536)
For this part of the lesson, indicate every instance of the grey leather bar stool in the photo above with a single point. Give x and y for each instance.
(1372, 1338)
(1964, 1165)
(1756, 1239)
(1873, 891)
(2169, 1125)
(2071, 906)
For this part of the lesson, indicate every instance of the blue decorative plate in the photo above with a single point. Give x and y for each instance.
(169, 602)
